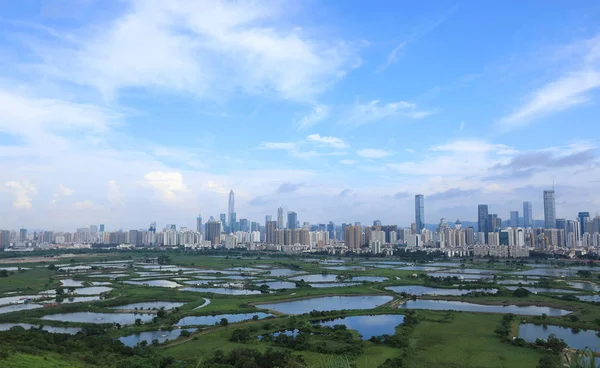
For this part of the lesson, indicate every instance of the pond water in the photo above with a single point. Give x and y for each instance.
(75, 268)
(244, 269)
(589, 298)
(293, 333)
(328, 303)
(553, 272)
(346, 268)
(333, 284)
(279, 284)
(78, 299)
(585, 286)
(20, 299)
(101, 283)
(575, 339)
(149, 336)
(225, 291)
(368, 326)
(71, 283)
(12, 269)
(202, 282)
(473, 271)
(52, 329)
(211, 320)
(316, 278)
(368, 279)
(530, 310)
(19, 307)
(279, 272)
(109, 275)
(419, 268)
(543, 290)
(444, 264)
(384, 263)
(91, 317)
(149, 305)
(92, 290)
(426, 290)
(158, 283)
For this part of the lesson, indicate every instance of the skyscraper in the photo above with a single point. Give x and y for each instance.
(482, 217)
(549, 210)
(23, 234)
(268, 218)
(527, 215)
(514, 218)
(353, 237)
(199, 223)
(271, 227)
(292, 220)
(231, 208)
(420, 212)
(583, 218)
(280, 223)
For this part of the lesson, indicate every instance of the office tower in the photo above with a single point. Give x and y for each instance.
(223, 218)
(514, 218)
(23, 234)
(527, 215)
(331, 230)
(583, 217)
(93, 229)
(280, 223)
(213, 231)
(292, 220)
(268, 218)
(244, 225)
(377, 223)
(549, 210)
(493, 223)
(419, 212)
(271, 227)
(101, 228)
(199, 223)
(4, 239)
(353, 237)
(482, 218)
(561, 225)
(231, 209)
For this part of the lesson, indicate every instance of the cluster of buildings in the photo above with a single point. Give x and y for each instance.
(490, 236)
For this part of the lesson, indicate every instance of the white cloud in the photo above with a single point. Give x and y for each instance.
(373, 153)
(461, 127)
(348, 162)
(114, 194)
(286, 146)
(166, 184)
(473, 146)
(64, 191)
(360, 114)
(326, 140)
(202, 47)
(392, 56)
(23, 192)
(409, 150)
(569, 89)
(318, 114)
(84, 205)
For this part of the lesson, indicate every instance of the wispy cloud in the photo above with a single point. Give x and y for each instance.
(422, 30)
(360, 114)
(473, 146)
(200, 48)
(569, 89)
(289, 187)
(318, 114)
(348, 162)
(328, 141)
(373, 153)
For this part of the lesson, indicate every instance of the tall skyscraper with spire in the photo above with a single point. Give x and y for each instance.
(231, 208)
(420, 212)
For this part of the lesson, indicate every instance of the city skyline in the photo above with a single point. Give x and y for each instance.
(338, 116)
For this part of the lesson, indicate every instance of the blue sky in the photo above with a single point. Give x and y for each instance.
(129, 112)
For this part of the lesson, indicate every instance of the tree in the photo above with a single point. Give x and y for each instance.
(3, 273)
(521, 293)
(224, 322)
(60, 291)
(138, 321)
(161, 314)
(548, 361)
(185, 333)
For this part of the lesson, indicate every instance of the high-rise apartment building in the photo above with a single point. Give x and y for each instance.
(420, 212)
(101, 228)
(549, 210)
(231, 209)
(280, 223)
(514, 218)
(292, 218)
(213, 231)
(527, 215)
(23, 234)
(270, 229)
(353, 237)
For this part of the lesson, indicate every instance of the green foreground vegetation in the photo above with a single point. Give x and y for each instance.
(426, 339)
